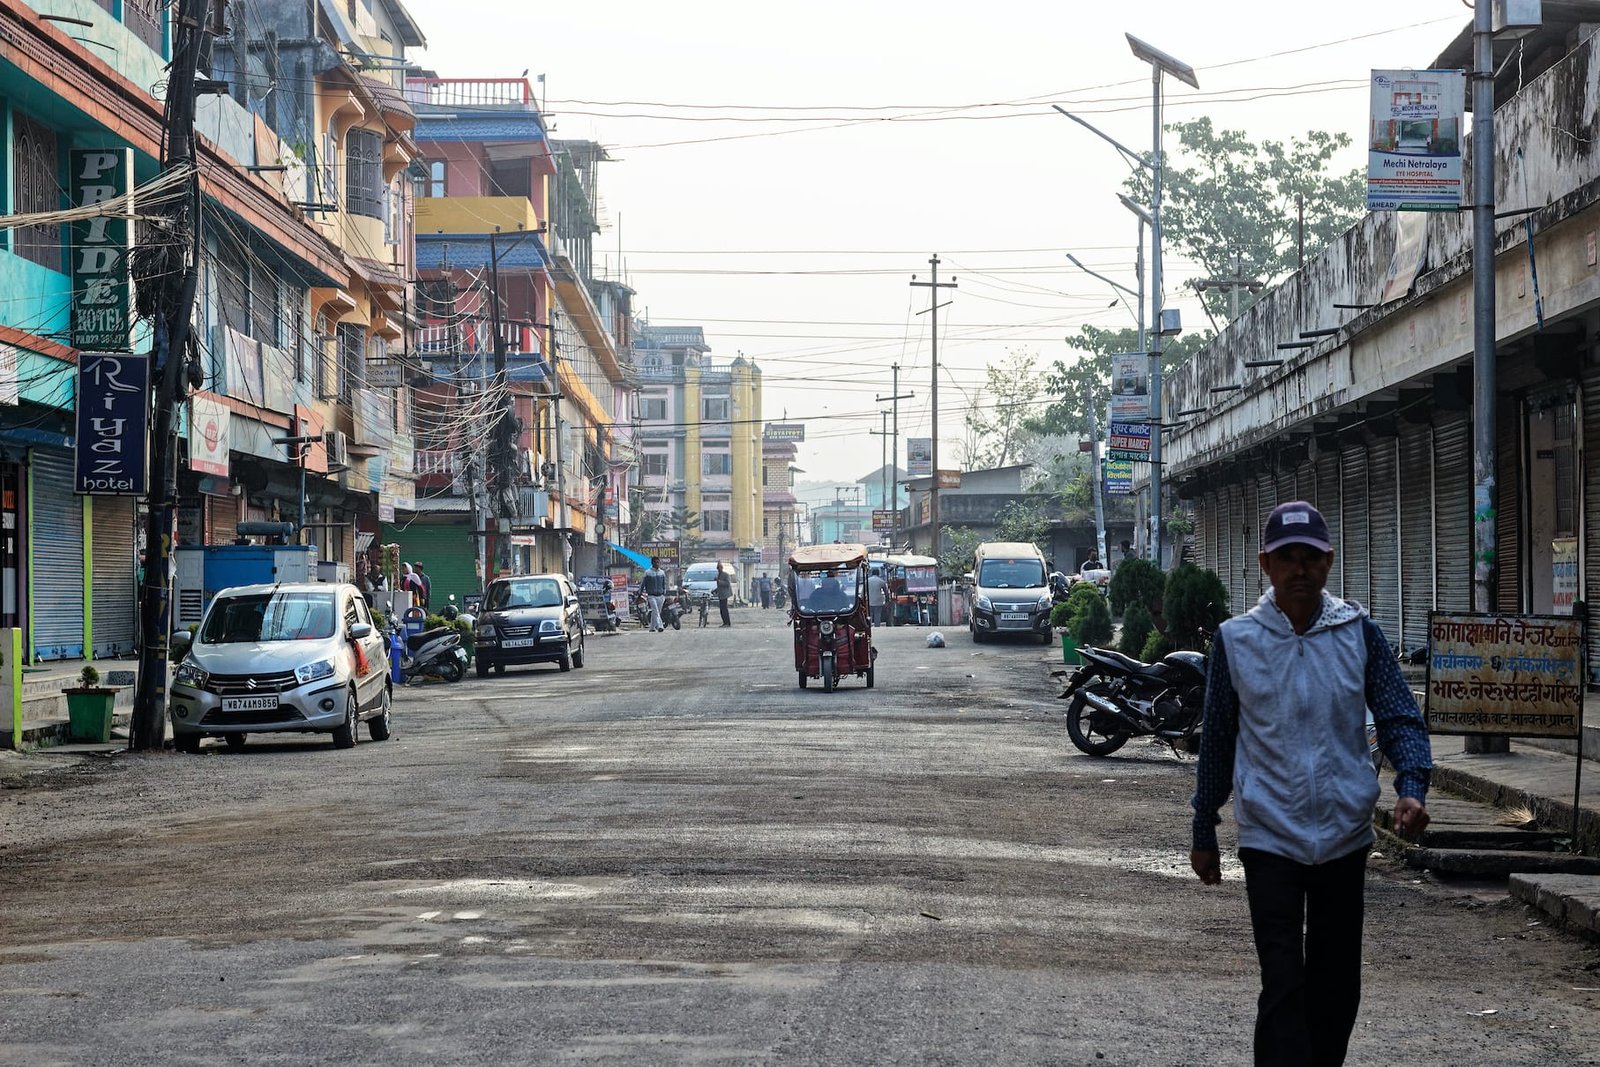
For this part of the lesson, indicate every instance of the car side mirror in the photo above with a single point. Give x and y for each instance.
(572, 601)
(180, 644)
(358, 630)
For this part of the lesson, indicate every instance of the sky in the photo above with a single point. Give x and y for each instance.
(781, 172)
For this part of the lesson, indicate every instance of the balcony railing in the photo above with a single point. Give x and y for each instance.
(473, 92)
(434, 461)
(470, 338)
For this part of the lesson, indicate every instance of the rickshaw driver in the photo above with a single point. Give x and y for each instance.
(827, 596)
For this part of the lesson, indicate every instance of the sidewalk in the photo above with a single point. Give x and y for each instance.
(1470, 835)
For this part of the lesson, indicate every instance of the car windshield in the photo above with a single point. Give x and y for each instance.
(825, 591)
(528, 593)
(274, 616)
(1011, 574)
(701, 573)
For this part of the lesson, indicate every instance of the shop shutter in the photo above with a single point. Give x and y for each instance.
(112, 581)
(446, 549)
(1287, 487)
(1452, 512)
(1383, 536)
(55, 550)
(1205, 528)
(222, 525)
(1590, 522)
(1266, 500)
(1328, 497)
(1354, 506)
(1508, 505)
(1416, 535)
(1235, 576)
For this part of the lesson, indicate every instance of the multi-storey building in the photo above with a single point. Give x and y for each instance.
(699, 445)
(780, 508)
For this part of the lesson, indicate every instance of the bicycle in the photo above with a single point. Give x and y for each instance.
(705, 610)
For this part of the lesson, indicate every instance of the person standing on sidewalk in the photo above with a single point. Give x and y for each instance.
(427, 584)
(766, 591)
(1288, 686)
(724, 593)
(655, 591)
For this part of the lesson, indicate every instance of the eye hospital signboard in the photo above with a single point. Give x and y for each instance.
(1414, 140)
(101, 320)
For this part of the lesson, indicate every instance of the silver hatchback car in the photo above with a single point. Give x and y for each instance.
(274, 658)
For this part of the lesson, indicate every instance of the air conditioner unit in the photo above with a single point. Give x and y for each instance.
(338, 450)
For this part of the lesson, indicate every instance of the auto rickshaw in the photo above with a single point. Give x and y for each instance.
(828, 610)
(913, 590)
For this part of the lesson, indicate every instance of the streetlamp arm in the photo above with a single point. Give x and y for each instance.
(1129, 154)
(1096, 274)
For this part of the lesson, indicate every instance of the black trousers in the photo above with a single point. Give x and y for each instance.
(722, 606)
(1307, 920)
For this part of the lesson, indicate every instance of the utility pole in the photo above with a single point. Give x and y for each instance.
(1096, 474)
(933, 288)
(895, 396)
(562, 518)
(179, 243)
(502, 461)
(1232, 285)
(883, 472)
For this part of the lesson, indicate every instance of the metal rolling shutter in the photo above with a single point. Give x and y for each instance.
(1354, 508)
(1383, 534)
(55, 549)
(1205, 529)
(1508, 505)
(1250, 499)
(1416, 535)
(1590, 522)
(112, 581)
(223, 526)
(448, 552)
(1452, 512)
(1235, 576)
(1287, 489)
(1266, 500)
(1328, 496)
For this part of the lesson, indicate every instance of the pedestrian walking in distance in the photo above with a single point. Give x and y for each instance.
(655, 591)
(724, 593)
(1287, 690)
(766, 591)
(878, 599)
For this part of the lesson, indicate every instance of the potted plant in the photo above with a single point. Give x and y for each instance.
(89, 707)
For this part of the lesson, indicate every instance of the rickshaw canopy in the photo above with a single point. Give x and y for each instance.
(827, 557)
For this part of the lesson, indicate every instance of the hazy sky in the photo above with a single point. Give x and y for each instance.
(926, 128)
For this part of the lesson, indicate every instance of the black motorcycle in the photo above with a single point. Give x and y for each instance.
(1115, 697)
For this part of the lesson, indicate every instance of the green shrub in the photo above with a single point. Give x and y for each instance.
(89, 676)
(433, 622)
(1091, 623)
(1194, 605)
(1136, 581)
(1137, 626)
(1155, 646)
(1061, 615)
(1082, 593)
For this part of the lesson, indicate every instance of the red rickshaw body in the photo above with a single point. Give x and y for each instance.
(828, 609)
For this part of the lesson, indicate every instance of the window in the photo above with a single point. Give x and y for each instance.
(363, 173)
(655, 464)
(511, 177)
(434, 186)
(265, 311)
(352, 340)
(715, 463)
(37, 189)
(714, 409)
(766, 527)
(653, 408)
(300, 341)
(716, 521)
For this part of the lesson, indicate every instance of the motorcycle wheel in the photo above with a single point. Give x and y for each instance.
(451, 671)
(1084, 737)
(830, 675)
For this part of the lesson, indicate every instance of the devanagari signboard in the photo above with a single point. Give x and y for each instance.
(1516, 675)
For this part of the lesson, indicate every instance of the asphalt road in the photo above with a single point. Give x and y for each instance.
(675, 855)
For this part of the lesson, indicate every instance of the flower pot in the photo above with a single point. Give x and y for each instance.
(1069, 649)
(89, 712)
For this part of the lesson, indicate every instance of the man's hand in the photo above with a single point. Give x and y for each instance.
(1207, 863)
(1410, 818)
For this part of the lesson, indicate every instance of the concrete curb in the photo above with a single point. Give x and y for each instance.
(1549, 811)
(1572, 901)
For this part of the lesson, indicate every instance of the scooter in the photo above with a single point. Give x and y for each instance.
(435, 653)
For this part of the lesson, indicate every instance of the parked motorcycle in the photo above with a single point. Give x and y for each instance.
(779, 597)
(435, 653)
(1115, 697)
(672, 612)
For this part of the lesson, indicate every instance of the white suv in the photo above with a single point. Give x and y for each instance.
(281, 658)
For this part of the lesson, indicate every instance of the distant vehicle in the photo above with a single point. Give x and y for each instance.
(302, 657)
(700, 578)
(1010, 594)
(531, 618)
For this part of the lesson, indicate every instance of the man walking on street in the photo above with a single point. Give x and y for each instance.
(1287, 690)
(766, 591)
(655, 591)
(878, 598)
(724, 593)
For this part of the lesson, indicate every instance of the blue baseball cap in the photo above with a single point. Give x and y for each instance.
(1295, 523)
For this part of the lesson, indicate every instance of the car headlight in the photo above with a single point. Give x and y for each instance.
(1045, 602)
(191, 675)
(826, 627)
(485, 633)
(314, 672)
(984, 603)
(549, 626)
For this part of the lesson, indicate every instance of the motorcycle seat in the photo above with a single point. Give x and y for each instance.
(416, 641)
(1127, 663)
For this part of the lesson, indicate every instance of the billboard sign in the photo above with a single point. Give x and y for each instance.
(1129, 440)
(113, 404)
(101, 312)
(209, 420)
(882, 520)
(1414, 140)
(1504, 674)
(948, 479)
(784, 431)
(1119, 476)
(1130, 385)
(919, 457)
(665, 551)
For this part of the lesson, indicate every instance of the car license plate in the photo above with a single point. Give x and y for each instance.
(267, 703)
(1014, 616)
(517, 642)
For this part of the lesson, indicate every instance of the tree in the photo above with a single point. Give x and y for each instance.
(1136, 581)
(997, 418)
(1195, 603)
(1235, 209)
(1093, 368)
(1022, 520)
(963, 545)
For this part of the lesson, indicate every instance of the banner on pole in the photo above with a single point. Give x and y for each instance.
(1129, 441)
(919, 457)
(101, 312)
(209, 420)
(1414, 146)
(1119, 476)
(112, 423)
(1130, 385)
